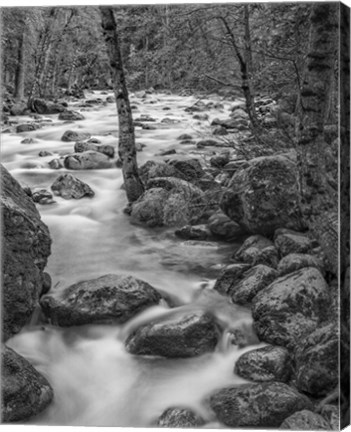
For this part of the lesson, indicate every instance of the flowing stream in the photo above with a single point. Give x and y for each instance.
(95, 381)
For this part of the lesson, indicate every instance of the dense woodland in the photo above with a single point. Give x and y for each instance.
(279, 60)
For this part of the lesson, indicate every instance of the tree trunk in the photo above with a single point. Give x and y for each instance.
(318, 196)
(126, 146)
(19, 79)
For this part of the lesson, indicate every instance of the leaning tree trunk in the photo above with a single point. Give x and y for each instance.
(126, 145)
(318, 188)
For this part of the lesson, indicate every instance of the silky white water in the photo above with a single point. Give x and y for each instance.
(95, 381)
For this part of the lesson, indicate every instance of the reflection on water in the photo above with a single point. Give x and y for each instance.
(96, 382)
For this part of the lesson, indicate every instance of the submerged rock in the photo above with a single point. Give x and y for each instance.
(317, 361)
(305, 420)
(257, 405)
(70, 135)
(187, 335)
(87, 160)
(71, 115)
(106, 149)
(179, 418)
(258, 250)
(107, 299)
(67, 186)
(270, 363)
(264, 196)
(26, 246)
(25, 392)
(291, 307)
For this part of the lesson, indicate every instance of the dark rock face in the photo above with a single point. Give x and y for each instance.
(195, 232)
(190, 169)
(223, 227)
(185, 336)
(107, 299)
(67, 186)
(264, 196)
(251, 282)
(291, 307)
(289, 241)
(41, 106)
(269, 363)
(296, 261)
(71, 115)
(26, 127)
(87, 160)
(258, 250)
(305, 420)
(42, 197)
(179, 418)
(257, 405)
(26, 246)
(317, 361)
(70, 135)
(25, 392)
(105, 149)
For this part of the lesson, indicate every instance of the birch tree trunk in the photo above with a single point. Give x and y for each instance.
(126, 146)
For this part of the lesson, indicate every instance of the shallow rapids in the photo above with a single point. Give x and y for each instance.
(95, 381)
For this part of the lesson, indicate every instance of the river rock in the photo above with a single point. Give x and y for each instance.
(223, 227)
(251, 283)
(26, 246)
(316, 360)
(152, 169)
(209, 143)
(296, 261)
(41, 106)
(305, 420)
(42, 196)
(67, 186)
(71, 115)
(264, 405)
(184, 137)
(44, 153)
(184, 336)
(289, 241)
(26, 127)
(270, 363)
(81, 146)
(56, 163)
(149, 208)
(258, 250)
(108, 299)
(229, 277)
(19, 108)
(264, 196)
(189, 168)
(218, 161)
(87, 160)
(291, 307)
(219, 130)
(179, 418)
(25, 392)
(193, 232)
(70, 135)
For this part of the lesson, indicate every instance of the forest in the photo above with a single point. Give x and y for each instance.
(175, 246)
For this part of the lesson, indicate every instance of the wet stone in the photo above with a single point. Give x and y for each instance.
(179, 418)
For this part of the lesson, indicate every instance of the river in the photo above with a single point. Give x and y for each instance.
(95, 381)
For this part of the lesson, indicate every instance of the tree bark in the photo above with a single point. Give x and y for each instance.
(318, 196)
(19, 79)
(126, 145)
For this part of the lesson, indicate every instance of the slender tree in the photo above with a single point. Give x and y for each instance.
(126, 145)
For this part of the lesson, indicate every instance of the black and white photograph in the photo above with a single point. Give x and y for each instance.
(175, 215)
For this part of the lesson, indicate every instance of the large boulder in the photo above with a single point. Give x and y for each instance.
(186, 335)
(108, 299)
(152, 169)
(258, 250)
(41, 106)
(70, 135)
(169, 201)
(67, 186)
(264, 405)
(291, 307)
(305, 420)
(289, 241)
(179, 418)
(270, 363)
(106, 149)
(87, 160)
(189, 168)
(70, 115)
(25, 392)
(296, 261)
(317, 361)
(26, 246)
(243, 286)
(264, 196)
(27, 127)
